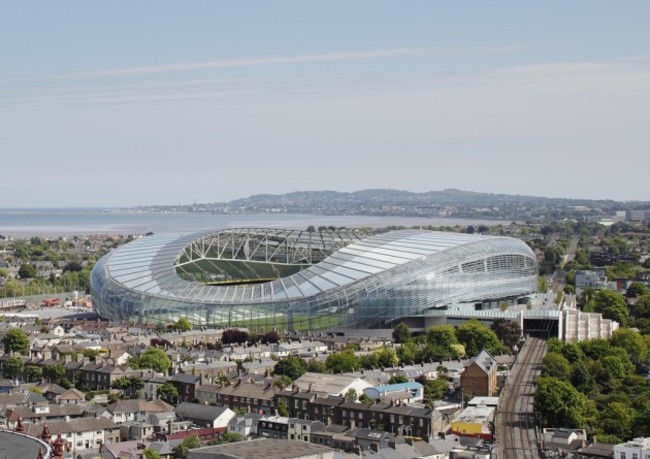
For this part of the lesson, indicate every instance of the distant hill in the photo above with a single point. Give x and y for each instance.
(445, 203)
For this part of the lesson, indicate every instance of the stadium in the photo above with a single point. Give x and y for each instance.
(267, 279)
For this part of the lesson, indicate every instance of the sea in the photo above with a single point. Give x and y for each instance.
(25, 223)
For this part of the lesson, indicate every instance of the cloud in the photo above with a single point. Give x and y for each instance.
(263, 61)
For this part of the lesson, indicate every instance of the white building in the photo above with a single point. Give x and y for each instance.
(639, 448)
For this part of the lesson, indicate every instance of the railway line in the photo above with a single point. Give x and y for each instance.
(516, 419)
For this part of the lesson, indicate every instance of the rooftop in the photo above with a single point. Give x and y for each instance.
(254, 449)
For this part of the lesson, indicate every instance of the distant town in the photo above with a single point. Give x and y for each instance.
(563, 373)
(446, 203)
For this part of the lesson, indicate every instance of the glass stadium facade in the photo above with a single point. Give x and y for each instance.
(297, 280)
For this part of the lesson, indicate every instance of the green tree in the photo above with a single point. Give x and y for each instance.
(190, 442)
(26, 271)
(13, 367)
(556, 366)
(291, 367)
(156, 359)
(129, 386)
(398, 379)
(542, 286)
(612, 305)
(365, 399)
(442, 335)
(369, 361)
(282, 408)
(386, 358)
(150, 453)
(407, 353)
(316, 366)
(507, 331)
(183, 325)
(342, 362)
(617, 419)
(230, 437)
(632, 342)
(33, 373)
(636, 289)
(16, 340)
(91, 354)
(401, 333)
(435, 389)
(282, 381)
(54, 373)
(561, 404)
(168, 392)
(581, 377)
(476, 336)
(641, 307)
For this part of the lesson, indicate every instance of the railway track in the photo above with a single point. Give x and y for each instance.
(516, 419)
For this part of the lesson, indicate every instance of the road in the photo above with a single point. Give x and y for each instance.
(516, 419)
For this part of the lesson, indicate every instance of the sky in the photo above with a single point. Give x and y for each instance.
(122, 103)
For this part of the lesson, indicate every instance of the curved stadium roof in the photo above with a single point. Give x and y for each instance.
(142, 278)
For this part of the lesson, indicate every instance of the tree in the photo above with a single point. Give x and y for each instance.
(636, 289)
(129, 386)
(91, 354)
(234, 335)
(641, 307)
(282, 381)
(632, 342)
(386, 358)
(13, 367)
(282, 408)
(369, 361)
(150, 453)
(183, 325)
(16, 340)
(442, 335)
(316, 366)
(398, 379)
(190, 442)
(542, 286)
(561, 404)
(168, 392)
(617, 419)
(556, 366)
(407, 353)
(509, 332)
(612, 305)
(435, 389)
(33, 373)
(365, 399)
(476, 336)
(291, 367)
(156, 359)
(271, 337)
(401, 333)
(26, 271)
(342, 362)
(230, 437)
(54, 373)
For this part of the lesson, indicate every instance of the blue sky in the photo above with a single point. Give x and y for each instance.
(155, 102)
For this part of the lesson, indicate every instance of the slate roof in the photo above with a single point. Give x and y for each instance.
(267, 448)
(199, 412)
(484, 360)
(73, 425)
(130, 406)
(55, 411)
(185, 378)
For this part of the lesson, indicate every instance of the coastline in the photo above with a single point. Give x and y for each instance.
(66, 223)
